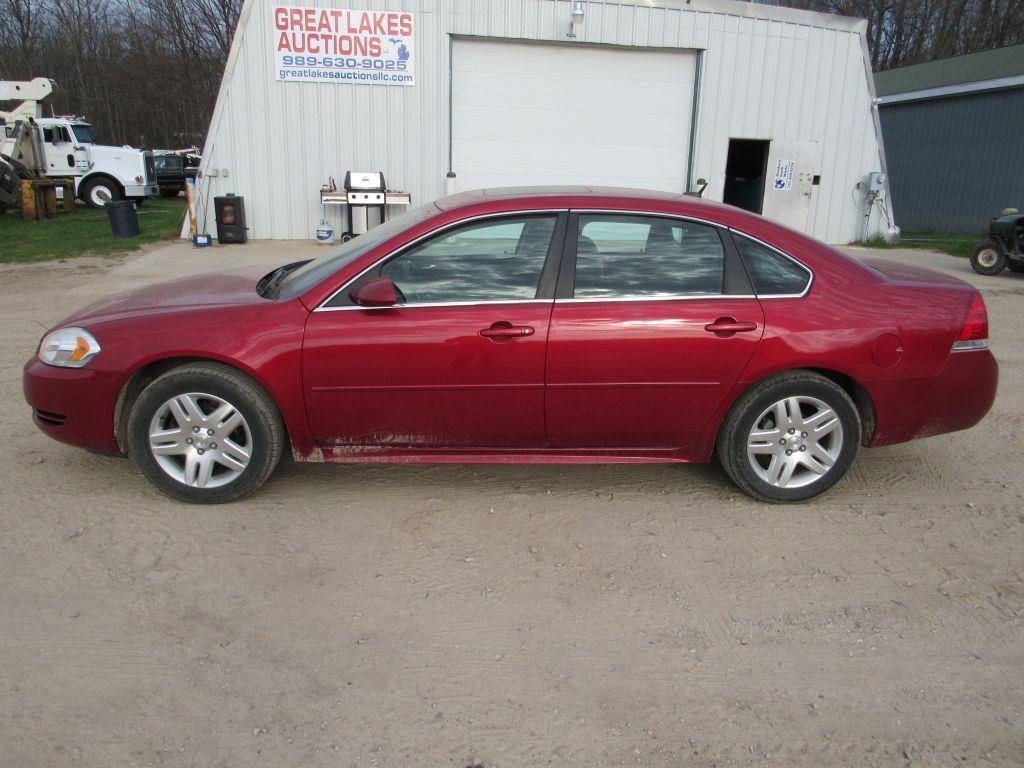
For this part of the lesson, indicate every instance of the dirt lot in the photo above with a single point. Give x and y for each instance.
(506, 616)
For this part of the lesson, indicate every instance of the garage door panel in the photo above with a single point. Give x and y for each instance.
(491, 179)
(528, 114)
(602, 158)
(481, 125)
(599, 63)
(568, 94)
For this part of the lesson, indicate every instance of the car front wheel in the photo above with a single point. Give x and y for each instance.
(205, 433)
(790, 438)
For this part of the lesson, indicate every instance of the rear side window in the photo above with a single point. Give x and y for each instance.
(771, 273)
(646, 257)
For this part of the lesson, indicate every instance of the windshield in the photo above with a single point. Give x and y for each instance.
(305, 277)
(83, 133)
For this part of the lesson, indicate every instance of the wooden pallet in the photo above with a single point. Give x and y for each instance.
(39, 198)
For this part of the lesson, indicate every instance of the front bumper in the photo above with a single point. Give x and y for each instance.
(958, 398)
(74, 405)
(142, 190)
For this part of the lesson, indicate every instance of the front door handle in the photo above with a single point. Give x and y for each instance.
(503, 331)
(727, 326)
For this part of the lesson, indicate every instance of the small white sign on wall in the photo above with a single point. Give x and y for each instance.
(340, 45)
(784, 172)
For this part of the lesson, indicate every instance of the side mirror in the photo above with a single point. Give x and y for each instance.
(379, 292)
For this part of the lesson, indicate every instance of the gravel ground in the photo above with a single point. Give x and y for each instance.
(506, 615)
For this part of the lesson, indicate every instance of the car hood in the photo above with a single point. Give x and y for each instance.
(219, 289)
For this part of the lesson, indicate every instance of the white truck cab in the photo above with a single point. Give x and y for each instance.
(101, 173)
(63, 146)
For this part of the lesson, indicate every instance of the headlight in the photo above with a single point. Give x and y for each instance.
(68, 348)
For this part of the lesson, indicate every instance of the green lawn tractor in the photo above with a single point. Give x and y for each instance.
(1003, 247)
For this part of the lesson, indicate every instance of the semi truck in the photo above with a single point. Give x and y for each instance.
(32, 145)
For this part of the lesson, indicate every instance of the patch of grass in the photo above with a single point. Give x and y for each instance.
(85, 231)
(954, 245)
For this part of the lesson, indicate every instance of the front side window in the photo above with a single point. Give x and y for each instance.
(497, 260)
(771, 273)
(646, 256)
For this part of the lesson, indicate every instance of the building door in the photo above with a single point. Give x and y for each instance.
(792, 176)
(530, 114)
(745, 167)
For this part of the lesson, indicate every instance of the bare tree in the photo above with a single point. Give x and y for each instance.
(145, 72)
(902, 32)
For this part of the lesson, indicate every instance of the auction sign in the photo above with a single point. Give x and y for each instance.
(334, 45)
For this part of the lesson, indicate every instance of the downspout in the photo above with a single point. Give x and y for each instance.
(449, 181)
(697, 77)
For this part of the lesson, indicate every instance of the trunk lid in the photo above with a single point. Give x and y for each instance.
(902, 272)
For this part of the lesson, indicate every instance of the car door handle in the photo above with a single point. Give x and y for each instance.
(503, 331)
(727, 326)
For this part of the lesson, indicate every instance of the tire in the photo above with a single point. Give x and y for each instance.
(190, 396)
(988, 258)
(92, 191)
(168, 192)
(811, 394)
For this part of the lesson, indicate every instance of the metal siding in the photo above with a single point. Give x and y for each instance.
(767, 73)
(955, 163)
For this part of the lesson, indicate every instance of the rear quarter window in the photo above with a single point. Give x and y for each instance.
(771, 273)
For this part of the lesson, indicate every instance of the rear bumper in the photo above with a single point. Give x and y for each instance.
(958, 398)
(73, 405)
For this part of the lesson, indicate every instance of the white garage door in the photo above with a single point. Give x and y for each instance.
(527, 114)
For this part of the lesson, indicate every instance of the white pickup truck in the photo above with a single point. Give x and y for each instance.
(63, 146)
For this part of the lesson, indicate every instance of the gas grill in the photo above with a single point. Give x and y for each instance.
(365, 195)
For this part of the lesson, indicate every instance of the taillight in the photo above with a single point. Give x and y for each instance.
(974, 334)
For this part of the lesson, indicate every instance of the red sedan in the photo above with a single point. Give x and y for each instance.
(526, 325)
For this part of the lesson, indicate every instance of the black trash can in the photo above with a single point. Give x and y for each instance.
(124, 219)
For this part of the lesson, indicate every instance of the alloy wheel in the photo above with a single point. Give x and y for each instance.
(795, 442)
(200, 440)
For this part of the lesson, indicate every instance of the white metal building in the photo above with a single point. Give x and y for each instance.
(773, 107)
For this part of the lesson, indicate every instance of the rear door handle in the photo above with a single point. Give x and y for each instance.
(727, 326)
(503, 331)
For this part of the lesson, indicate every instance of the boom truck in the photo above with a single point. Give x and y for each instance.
(33, 146)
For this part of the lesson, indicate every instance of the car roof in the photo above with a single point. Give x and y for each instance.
(580, 192)
(601, 198)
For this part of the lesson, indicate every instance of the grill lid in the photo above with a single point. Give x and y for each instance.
(365, 180)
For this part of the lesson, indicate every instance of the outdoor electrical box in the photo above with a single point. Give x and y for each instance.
(876, 184)
(229, 212)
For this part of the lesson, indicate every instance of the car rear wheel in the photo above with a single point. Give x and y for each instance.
(790, 438)
(988, 258)
(205, 433)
